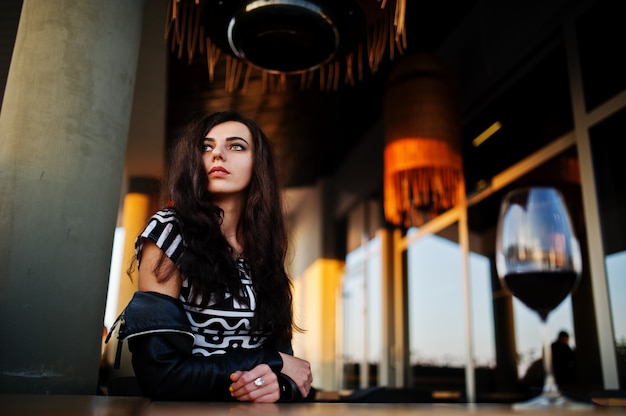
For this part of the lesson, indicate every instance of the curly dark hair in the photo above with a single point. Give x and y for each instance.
(208, 260)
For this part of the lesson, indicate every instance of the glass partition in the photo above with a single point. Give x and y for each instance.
(362, 315)
(436, 311)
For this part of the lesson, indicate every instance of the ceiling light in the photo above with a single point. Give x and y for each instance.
(490, 131)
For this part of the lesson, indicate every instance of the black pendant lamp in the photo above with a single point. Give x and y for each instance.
(287, 36)
(335, 40)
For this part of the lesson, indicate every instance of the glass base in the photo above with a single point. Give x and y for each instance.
(547, 400)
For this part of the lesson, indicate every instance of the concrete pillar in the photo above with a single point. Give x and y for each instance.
(63, 131)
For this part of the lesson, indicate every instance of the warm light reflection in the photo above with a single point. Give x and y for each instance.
(491, 130)
(315, 311)
(137, 209)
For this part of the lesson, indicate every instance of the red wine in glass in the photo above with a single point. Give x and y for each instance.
(555, 286)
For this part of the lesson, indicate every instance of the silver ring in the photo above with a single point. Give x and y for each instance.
(259, 382)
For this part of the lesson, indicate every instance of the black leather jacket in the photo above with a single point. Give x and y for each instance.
(160, 340)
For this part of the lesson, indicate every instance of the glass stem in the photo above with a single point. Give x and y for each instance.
(549, 385)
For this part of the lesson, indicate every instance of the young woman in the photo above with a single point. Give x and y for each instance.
(212, 319)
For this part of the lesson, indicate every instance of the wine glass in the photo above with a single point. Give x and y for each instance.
(538, 260)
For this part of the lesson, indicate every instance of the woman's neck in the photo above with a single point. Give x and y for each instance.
(229, 228)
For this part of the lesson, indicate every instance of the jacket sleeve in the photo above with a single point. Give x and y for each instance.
(160, 340)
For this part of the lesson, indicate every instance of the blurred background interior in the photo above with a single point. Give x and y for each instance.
(398, 125)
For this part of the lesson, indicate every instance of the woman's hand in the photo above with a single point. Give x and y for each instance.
(258, 385)
(300, 372)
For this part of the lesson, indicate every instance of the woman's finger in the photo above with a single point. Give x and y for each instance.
(257, 385)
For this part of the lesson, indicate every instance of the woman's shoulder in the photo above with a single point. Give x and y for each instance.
(163, 229)
(165, 215)
(163, 222)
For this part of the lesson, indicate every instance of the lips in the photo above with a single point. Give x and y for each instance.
(218, 171)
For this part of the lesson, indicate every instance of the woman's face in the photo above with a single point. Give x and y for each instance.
(228, 155)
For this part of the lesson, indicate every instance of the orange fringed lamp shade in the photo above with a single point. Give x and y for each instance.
(423, 169)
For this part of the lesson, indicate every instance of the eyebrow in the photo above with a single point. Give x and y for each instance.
(229, 139)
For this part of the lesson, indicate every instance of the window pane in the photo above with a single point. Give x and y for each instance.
(616, 274)
(362, 313)
(374, 303)
(482, 311)
(436, 303)
(353, 297)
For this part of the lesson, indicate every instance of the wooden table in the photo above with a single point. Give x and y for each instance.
(64, 405)
(70, 405)
(357, 409)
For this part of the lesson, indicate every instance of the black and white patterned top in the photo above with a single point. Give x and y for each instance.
(220, 327)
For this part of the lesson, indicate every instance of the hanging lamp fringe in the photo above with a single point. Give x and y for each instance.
(423, 168)
(385, 34)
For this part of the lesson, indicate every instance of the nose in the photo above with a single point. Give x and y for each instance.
(217, 153)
